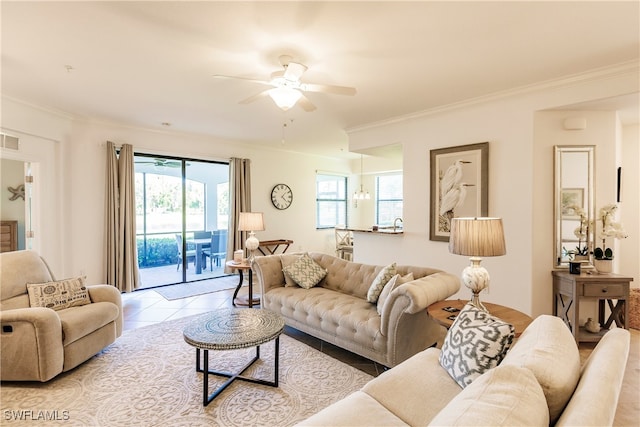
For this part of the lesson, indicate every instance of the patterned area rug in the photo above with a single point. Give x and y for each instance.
(185, 290)
(147, 378)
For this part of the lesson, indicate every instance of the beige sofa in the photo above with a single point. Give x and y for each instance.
(337, 311)
(38, 343)
(539, 383)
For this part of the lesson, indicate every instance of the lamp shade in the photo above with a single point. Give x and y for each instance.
(477, 237)
(251, 221)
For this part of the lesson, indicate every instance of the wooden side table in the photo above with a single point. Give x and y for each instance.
(242, 267)
(569, 289)
(518, 319)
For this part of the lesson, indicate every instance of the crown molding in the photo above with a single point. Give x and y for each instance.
(621, 69)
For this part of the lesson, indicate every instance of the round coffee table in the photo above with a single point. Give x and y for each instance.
(230, 329)
(444, 312)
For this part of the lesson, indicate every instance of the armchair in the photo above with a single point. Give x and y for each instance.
(38, 343)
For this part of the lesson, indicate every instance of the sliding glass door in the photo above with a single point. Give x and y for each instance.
(182, 212)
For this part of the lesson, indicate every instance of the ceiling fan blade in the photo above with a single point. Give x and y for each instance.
(255, 97)
(336, 90)
(247, 79)
(305, 104)
(294, 71)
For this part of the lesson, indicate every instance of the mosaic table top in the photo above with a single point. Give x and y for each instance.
(232, 328)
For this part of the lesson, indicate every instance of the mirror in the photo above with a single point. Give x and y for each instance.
(574, 204)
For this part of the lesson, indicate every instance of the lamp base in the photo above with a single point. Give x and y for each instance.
(475, 301)
(252, 243)
(476, 278)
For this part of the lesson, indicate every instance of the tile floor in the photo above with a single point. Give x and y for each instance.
(146, 307)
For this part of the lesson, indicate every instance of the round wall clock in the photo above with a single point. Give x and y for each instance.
(281, 196)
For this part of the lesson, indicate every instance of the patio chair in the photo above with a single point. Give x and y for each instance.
(218, 250)
(191, 253)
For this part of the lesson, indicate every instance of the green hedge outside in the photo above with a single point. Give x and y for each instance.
(160, 251)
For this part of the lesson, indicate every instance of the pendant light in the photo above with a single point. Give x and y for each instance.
(361, 195)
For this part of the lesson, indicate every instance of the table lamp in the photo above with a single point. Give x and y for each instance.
(251, 222)
(476, 237)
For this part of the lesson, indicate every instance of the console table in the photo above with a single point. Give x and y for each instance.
(569, 289)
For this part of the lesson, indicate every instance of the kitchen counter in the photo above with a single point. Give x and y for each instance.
(382, 230)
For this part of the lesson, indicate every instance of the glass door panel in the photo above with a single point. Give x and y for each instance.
(177, 213)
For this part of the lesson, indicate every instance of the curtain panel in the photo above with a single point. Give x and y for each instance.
(120, 220)
(239, 201)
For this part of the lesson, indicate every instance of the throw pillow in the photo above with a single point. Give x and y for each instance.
(59, 294)
(305, 272)
(504, 396)
(378, 283)
(395, 281)
(475, 343)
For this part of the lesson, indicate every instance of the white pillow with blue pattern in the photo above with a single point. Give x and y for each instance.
(475, 343)
(305, 271)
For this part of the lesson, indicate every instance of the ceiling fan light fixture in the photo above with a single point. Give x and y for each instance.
(285, 97)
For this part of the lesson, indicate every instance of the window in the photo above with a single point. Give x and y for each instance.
(388, 198)
(331, 200)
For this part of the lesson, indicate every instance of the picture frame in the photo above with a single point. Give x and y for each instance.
(459, 186)
(570, 197)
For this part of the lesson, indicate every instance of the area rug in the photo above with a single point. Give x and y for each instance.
(185, 290)
(148, 378)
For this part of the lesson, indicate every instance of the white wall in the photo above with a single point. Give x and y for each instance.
(520, 183)
(78, 241)
(629, 249)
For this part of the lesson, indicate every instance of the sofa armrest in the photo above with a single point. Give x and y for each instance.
(108, 293)
(405, 321)
(269, 272)
(419, 294)
(31, 345)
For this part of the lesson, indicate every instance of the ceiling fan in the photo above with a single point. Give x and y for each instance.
(287, 88)
(161, 163)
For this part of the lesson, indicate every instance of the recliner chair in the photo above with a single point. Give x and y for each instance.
(38, 343)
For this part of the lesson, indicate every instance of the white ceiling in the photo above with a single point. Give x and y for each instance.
(145, 63)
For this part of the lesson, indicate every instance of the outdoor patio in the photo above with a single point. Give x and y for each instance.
(168, 274)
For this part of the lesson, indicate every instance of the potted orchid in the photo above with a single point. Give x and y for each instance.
(603, 256)
(581, 253)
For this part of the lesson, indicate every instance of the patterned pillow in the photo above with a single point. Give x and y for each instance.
(395, 281)
(59, 294)
(305, 272)
(378, 283)
(475, 343)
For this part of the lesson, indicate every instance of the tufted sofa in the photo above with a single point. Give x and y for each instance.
(540, 382)
(337, 311)
(38, 343)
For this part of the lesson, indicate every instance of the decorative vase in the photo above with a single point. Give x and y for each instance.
(592, 326)
(603, 265)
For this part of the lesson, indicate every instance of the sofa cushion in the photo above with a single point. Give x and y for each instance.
(416, 389)
(78, 322)
(503, 396)
(380, 280)
(475, 343)
(59, 294)
(305, 271)
(395, 281)
(549, 350)
(357, 409)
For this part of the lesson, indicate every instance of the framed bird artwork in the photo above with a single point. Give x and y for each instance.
(459, 186)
